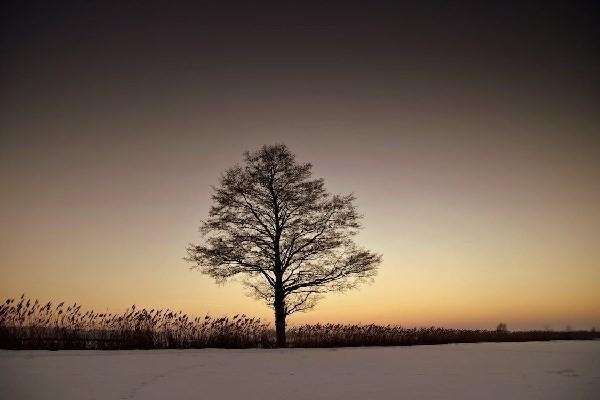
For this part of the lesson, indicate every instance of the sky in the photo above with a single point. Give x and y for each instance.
(469, 135)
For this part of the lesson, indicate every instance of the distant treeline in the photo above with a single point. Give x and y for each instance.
(27, 324)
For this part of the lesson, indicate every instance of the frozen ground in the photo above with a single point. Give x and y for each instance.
(535, 370)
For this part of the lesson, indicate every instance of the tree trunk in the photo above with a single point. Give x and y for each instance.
(280, 318)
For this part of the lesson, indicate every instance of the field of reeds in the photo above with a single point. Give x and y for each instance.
(29, 324)
(340, 335)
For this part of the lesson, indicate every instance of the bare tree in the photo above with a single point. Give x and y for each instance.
(283, 234)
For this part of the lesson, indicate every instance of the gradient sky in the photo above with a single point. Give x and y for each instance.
(469, 135)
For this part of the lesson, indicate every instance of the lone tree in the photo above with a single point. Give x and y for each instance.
(279, 230)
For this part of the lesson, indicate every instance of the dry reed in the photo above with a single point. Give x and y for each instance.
(27, 324)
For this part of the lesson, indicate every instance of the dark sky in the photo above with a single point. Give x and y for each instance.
(467, 132)
(152, 55)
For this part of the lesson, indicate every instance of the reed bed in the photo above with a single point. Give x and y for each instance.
(343, 335)
(27, 324)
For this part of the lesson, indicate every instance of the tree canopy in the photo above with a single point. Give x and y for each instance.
(277, 228)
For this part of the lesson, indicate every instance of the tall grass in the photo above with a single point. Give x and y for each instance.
(340, 335)
(27, 324)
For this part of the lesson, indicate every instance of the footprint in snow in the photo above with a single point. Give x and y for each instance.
(564, 372)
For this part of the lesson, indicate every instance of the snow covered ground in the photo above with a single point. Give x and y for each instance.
(535, 370)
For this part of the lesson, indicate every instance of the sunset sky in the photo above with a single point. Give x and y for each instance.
(470, 137)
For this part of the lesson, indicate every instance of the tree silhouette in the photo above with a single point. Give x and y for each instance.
(277, 228)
